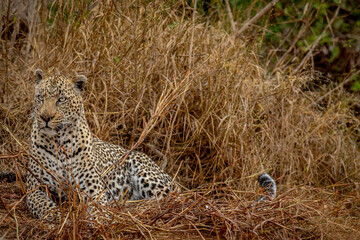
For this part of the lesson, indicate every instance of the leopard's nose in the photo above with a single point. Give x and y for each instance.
(46, 118)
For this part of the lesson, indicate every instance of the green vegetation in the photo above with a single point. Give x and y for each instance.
(287, 32)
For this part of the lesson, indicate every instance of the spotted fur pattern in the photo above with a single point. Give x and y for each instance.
(65, 154)
(269, 185)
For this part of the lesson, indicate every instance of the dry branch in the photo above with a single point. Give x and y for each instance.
(251, 21)
(316, 42)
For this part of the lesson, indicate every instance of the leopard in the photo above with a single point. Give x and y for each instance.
(64, 155)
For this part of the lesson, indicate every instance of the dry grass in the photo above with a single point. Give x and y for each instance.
(195, 99)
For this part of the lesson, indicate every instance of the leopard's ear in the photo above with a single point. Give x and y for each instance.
(38, 75)
(80, 83)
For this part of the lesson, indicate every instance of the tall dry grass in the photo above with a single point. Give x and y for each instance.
(188, 94)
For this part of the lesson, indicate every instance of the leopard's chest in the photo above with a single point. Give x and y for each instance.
(54, 164)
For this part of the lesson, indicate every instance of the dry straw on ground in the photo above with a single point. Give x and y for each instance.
(163, 79)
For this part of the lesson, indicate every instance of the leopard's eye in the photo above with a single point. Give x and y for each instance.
(40, 98)
(62, 99)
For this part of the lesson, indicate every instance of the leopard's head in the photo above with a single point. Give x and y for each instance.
(58, 102)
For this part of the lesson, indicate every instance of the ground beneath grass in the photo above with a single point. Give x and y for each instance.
(297, 213)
